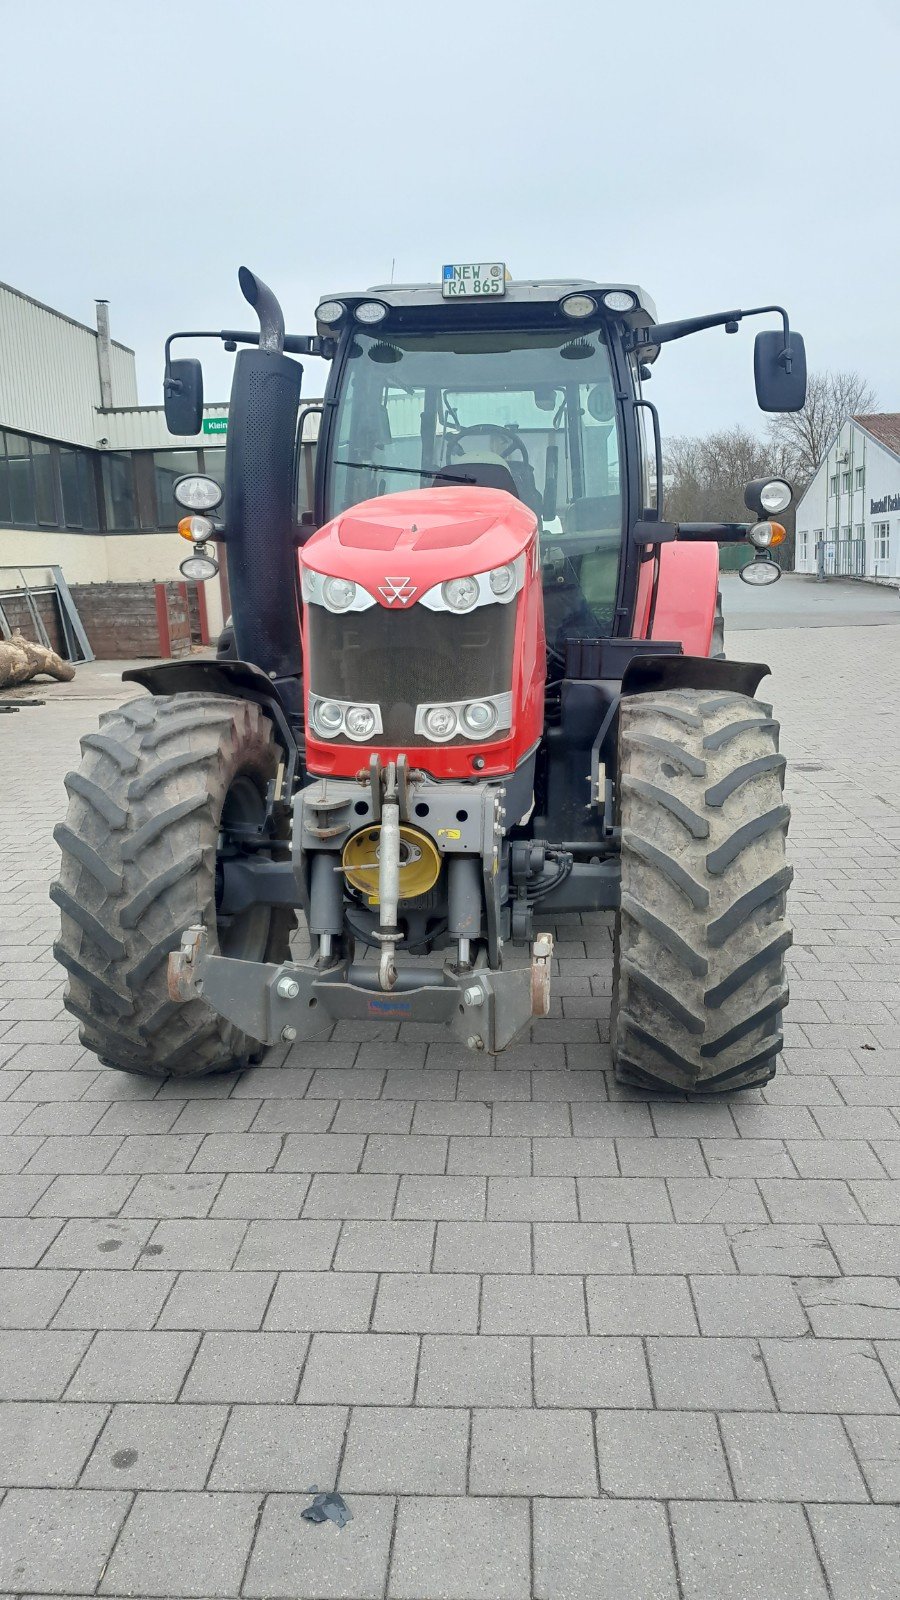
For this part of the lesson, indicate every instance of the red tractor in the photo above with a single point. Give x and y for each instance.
(480, 686)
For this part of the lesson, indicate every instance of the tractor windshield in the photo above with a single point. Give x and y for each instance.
(531, 412)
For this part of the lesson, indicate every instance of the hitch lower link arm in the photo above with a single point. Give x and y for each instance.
(389, 878)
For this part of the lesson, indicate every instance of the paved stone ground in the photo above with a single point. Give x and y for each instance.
(550, 1338)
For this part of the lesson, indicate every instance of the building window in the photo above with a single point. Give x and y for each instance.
(859, 531)
(118, 493)
(21, 484)
(846, 532)
(860, 477)
(79, 489)
(845, 483)
(169, 465)
(832, 484)
(44, 485)
(804, 544)
(881, 532)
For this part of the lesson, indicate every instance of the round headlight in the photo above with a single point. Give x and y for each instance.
(440, 722)
(760, 571)
(776, 495)
(502, 579)
(460, 594)
(479, 716)
(338, 593)
(359, 722)
(197, 493)
(578, 305)
(330, 311)
(370, 312)
(311, 584)
(197, 529)
(328, 718)
(619, 300)
(199, 567)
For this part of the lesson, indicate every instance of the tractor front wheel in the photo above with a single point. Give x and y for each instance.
(165, 787)
(701, 933)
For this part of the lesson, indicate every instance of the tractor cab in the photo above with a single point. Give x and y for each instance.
(528, 389)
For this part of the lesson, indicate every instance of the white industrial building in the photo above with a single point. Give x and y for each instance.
(86, 476)
(848, 521)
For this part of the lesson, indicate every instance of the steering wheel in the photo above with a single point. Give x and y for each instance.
(515, 443)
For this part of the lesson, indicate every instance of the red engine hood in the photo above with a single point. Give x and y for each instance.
(423, 536)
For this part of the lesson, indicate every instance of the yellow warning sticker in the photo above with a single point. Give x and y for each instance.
(449, 833)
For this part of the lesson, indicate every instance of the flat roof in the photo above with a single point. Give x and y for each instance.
(52, 311)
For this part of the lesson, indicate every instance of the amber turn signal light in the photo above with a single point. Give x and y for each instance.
(195, 529)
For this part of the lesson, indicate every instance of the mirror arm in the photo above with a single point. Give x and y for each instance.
(665, 332)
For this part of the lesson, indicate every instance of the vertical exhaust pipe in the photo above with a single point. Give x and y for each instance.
(259, 487)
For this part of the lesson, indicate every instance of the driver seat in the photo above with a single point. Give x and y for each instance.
(486, 474)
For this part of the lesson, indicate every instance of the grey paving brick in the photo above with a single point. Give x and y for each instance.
(752, 1552)
(132, 1366)
(602, 1550)
(860, 1549)
(791, 1458)
(290, 1561)
(623, 1200)
(385, 1246)
(57, 1117)
(44, 1445)
(146, 1153)
(581, 1247)
(80, 1153)
(192, 1243)
(138, 1116)
(109, 1299)
(749, 1305)
(205, 1300)
(867, 1249)
(366, 1368)
(279, 1245)
(406, 1450)
(628, 1119)
(709, 1374)
(661, 1158)
(797, 1248)
(834, 1158)
(57, 1541)
(532, 1199)
(278, 1083)
(322, 1152)
(83, 1197)
(484, 1555)
(661, 1455)
(519, 1451)
(29, 1299)
(15, 1153)
(876, 1442)
(274, 1447)
(852, 1307)
(541, 1119)
(809, 1200)
(748, 1158)
(490, 1156)
(640, 1304)
(261, 1194)
(195, 1541)
(570, 1157)
(155, 1447)
(172, 1195)
(297, 1116)
(20, 1194)
(305, 1302)
(453, 1198)
(594, 1372)
(474, 1370)
(237, 1152)
(114, 1242)
(460, 1119)
(536, 1304)
(371, 1116)
(680, 1247)
(482, 1247)
(404, 1153)
(410, 1302)
(697, 1200)
(245, 1367)
(492, 1085)
(857, 1122)
(37, 1364)
(215, 1116)
(351, 1195)
(419, 1084)
(25, 1241)
(828, 1375)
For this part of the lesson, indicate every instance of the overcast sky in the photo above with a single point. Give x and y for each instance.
(718, 152)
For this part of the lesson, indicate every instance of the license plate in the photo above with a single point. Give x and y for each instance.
(473, 280)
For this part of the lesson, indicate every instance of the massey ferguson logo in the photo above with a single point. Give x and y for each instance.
(399, 589)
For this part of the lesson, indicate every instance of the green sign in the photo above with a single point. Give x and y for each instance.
(215, 424)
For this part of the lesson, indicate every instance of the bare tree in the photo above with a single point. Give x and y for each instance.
(705, 477)
(803, 437)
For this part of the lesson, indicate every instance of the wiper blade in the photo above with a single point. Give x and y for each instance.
(417, 472)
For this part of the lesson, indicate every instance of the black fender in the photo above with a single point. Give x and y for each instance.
(240, 680)
(645, 674)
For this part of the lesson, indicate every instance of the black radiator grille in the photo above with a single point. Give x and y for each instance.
(402, 659)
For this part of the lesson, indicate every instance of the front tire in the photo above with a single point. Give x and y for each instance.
(699, 980)
(159, 786)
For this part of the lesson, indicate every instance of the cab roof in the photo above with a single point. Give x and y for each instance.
(411, 297)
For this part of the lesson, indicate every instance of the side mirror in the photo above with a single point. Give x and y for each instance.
(183, 397)
(779, 371)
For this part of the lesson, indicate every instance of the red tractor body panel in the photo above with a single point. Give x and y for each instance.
(401, 547)
(686, 589)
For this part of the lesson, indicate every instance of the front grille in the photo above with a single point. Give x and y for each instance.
(402, 659)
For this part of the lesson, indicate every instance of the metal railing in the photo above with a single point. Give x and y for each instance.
(844, 558)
